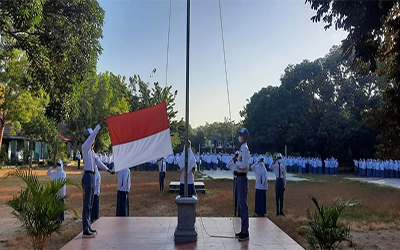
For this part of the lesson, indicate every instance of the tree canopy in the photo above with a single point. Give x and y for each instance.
(321, 109)
(60, 39)
(373, 39)
(17, 105)
(107, 94)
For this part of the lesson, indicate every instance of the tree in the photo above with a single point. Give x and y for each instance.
(219, 132)
(142, 96)
(373, 39)
(321, 109)
(106, 94)
(16, 104)
(41, 128)
(198, 139)
(96, 97)
(60, 39)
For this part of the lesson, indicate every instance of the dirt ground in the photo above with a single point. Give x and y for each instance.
(375, 225)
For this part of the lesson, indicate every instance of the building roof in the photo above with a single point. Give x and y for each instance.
(65, 134)
(15, 136)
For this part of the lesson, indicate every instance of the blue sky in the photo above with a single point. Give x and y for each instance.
(261, 39)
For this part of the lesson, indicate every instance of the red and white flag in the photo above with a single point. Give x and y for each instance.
(139, 137)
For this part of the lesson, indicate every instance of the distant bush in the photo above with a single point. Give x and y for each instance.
(4, 155)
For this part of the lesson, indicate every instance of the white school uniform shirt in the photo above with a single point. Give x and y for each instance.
(214, 159)
(56, 175)
(191, 165)
(162, 166)
(243, 161)
(89, 156)
(261, 175)
(231, 165)
(78, 156)
(282, 174)
(124, 180)
(97, 181)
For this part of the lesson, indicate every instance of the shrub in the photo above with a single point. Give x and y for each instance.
(324, 231)
(38, 206)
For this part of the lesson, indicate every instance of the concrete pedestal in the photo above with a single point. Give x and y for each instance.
(186, 231)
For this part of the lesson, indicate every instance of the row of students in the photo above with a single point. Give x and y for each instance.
(377, 168)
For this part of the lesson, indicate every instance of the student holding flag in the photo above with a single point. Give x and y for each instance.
(192, 167)
(124, 186)
(91, 159)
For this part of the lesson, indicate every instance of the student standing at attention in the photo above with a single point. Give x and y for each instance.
(242, 163)
(261, 187)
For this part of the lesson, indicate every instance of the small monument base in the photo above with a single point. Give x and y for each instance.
(186, 231)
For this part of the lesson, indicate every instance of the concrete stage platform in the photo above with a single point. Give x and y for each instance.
(158, 233)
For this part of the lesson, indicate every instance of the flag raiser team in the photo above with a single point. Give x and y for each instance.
(239, 164)
(145, 134)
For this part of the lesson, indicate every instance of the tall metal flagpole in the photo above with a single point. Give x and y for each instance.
(187, 97)
(185, 230)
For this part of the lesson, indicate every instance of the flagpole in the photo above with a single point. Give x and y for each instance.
(187, 97)
(185, 230)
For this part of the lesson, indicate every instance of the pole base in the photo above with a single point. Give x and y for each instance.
(185, 231)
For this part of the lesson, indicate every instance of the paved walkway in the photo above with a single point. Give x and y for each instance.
(158, 233)
(224, 174)
(385, 182)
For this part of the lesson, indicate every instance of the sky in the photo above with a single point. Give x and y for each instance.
(261, 39)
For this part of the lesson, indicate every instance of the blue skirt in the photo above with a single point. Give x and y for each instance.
(122, 203)
(261, 202)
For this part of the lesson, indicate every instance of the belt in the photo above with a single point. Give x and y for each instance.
(90, 172)
(242, 174)
(279, 179)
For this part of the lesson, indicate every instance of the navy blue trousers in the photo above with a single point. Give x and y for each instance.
(95, 210)
(88, 198)
(161, 180)
(242, 188)
(279, 190)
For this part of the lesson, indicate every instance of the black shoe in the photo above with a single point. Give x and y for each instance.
(277, 214)
(93, 231)
(88, 235)
(243, 237)
(282, 214)
(238, 235)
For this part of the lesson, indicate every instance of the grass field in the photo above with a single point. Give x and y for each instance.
(375, 225)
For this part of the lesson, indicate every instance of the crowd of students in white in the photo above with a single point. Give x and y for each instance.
(293, 164)
(377, 168)
(208, 161)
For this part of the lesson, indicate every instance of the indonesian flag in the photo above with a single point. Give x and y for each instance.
(140, 136)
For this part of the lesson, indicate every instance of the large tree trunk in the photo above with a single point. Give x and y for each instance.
(3, 125)
(30, 153)
(55, 153)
